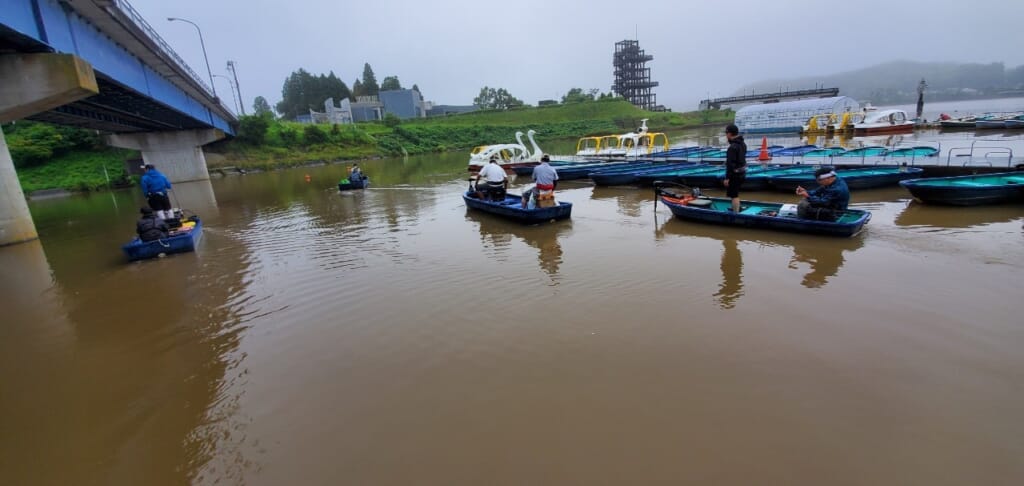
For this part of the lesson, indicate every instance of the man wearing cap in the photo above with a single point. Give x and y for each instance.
(155, 187)
(827, 200)
(735, 165)
(149, 227)
(494, 177)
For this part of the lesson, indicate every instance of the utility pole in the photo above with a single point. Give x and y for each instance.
(231, 67)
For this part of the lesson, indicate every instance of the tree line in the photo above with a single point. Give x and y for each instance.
(303, 91)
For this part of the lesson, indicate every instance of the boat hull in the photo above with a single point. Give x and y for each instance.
(898, 128)
(968, 190)
(869, 180)
(1014, 124)
(350, 186)
(511, 208)
(990, 124)
(850, 224)
(180, 243)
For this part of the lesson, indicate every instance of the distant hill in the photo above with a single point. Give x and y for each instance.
(896, 82)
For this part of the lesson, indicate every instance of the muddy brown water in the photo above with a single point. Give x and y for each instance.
(391, 337)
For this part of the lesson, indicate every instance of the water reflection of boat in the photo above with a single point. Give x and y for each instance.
(823, 256)
(544, 238)
(917, 214)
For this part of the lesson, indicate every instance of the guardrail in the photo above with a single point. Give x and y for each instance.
(968, 152)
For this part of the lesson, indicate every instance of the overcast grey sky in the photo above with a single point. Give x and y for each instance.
(539, 49)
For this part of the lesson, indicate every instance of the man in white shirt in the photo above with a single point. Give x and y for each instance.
(494, 178)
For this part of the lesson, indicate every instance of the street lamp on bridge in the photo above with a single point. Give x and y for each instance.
(203, 44)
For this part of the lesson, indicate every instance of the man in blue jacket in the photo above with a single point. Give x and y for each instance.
(155, 187)
(826, 201)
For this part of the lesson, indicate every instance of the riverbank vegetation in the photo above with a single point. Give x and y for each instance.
(50, 157)
(264, 143)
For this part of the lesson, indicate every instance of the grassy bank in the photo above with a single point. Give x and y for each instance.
(49, 157)
(284, 144)
(78, 171)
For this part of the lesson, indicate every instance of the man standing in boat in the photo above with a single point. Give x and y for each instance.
(735, 165)
(546, 178)
(494, 177)
(827, 200)
(155, 186)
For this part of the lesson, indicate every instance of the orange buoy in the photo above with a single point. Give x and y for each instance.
(308, 178)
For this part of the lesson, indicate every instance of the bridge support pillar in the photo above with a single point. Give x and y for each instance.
(16, 223)
(179, 154)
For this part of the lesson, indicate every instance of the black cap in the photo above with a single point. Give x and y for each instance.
(732, 129)
(545, 158)
(145, 211)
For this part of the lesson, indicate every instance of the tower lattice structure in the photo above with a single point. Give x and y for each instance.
(633, 77)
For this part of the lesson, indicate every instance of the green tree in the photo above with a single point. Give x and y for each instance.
(357, 89)
(390, 83)
(576, 95)
(253, 129)
(261, 108)
(416, 89)
(370, 85)
(302, 91)
(496, 99)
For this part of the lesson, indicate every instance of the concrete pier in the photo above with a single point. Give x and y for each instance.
(178, 154)
(16, 223)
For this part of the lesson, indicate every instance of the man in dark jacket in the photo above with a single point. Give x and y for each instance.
(149, 227)
(735, 165)
(826, 201)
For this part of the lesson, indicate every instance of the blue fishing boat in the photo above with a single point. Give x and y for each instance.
(860, 178)
(512, 208)
(826, 152)
(798, 151)
(758, 181)
(346, 185)
(870, 151)
(969, 190)
(759, 214)
(675, 174)
(713, 178)
(618, 177)
(180, 241)
(578, 171)
(919, 151)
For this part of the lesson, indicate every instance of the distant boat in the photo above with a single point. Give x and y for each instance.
(346, 185)
(885, 121)
(759, 214)
(180, 241)
(968, 190)
(961, 123)
(1015, 123)
(869, 151)
(917, 151)
(992, 121)
(641, 143)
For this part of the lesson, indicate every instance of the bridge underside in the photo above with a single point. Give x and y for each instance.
(118, 110)
(115, 109)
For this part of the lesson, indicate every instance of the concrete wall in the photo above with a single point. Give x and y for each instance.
(16, 223)
(179, 155)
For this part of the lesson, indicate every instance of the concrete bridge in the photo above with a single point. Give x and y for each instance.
(98, 64)
(719, 103)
